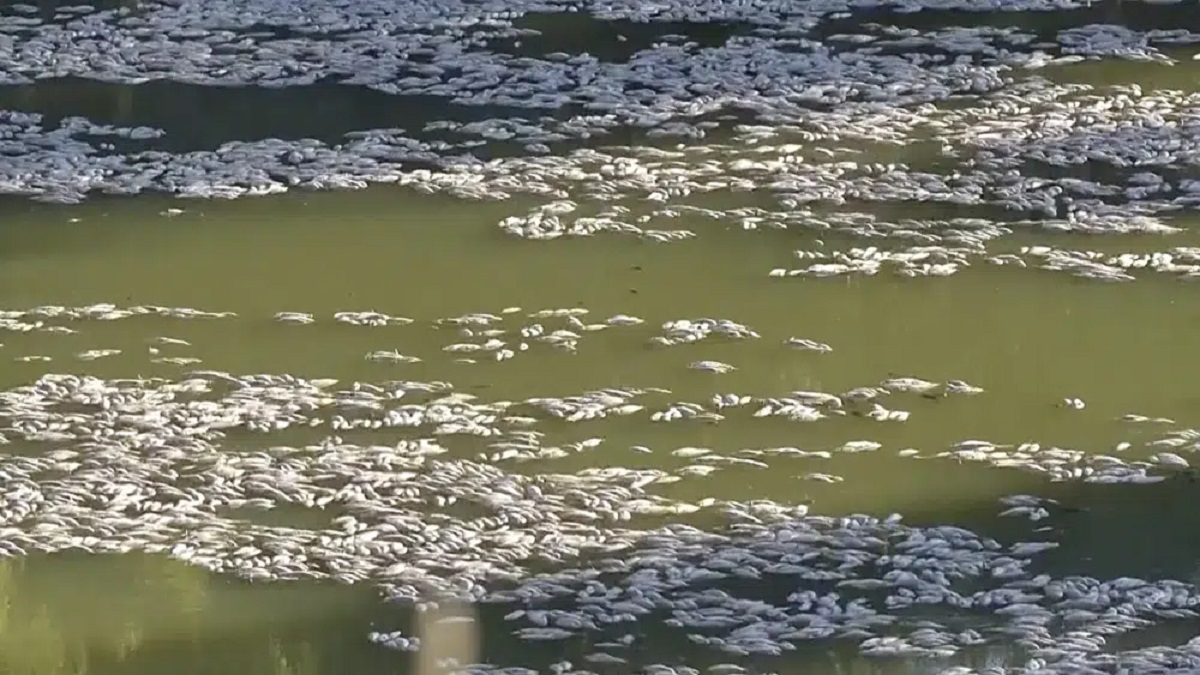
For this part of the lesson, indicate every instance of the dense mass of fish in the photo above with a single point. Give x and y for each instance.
(428, 490)
(787, 114)
(425, 499)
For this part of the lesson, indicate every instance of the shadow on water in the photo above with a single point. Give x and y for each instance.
(1106, 532)
(613, 41)
(136, 613)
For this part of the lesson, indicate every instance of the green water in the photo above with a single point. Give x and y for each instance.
(1030, 338)
(75, 614)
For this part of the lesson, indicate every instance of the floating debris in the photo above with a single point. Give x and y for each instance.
(1074, 403)
(711, 366)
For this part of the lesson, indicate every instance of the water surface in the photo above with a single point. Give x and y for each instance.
(1029, 338)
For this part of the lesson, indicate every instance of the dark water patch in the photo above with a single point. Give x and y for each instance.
(927, 210)
(1112, 181)
(929, 20)
(979, 50)
(58, 10)
(932, 53)
(614, 41)
(267, 32)
(651, 640)
(197, 117)
(1175, 633)
(1105, 173)
(1046, 25)
(617, 135)
(715, 126)
(1180, 75)
(1079, 519)
(1110, 531)
(294, 516)
(460, 511)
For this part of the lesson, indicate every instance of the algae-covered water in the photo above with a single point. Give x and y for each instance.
(1062, 361)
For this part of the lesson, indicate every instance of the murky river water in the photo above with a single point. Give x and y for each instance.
(1030, 338)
